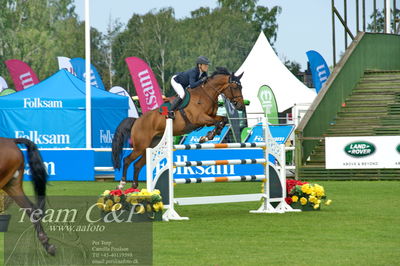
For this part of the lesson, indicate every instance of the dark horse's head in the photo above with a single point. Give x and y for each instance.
(233, 89)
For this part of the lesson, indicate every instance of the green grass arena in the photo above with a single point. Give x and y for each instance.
(360, 227)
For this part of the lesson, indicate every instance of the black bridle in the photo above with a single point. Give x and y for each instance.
(238, 87)
(229, 86)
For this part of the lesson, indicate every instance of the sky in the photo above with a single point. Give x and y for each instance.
(303, 25)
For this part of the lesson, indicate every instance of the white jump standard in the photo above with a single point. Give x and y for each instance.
(160, 167)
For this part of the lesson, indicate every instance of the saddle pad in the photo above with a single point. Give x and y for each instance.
(165, 107)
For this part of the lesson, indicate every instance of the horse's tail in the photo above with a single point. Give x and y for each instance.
(38, 170)
(121, 134)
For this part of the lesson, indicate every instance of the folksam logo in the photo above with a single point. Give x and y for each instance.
(106, 136)
(38, 138)
(360, 149)
(39, 103)
(50, 168)
(148, 89)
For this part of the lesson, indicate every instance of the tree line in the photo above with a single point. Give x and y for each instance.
(36, 32)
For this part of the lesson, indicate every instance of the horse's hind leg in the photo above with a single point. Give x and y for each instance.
(138, 166)
(127, 161)
(14, 190)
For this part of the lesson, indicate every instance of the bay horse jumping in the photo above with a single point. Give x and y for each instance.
(147, 130)
(11, 173)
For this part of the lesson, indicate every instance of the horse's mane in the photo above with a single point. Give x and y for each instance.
(220, 71)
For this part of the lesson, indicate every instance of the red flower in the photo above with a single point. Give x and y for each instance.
(130, 190)
(291, 184)
(288, 200)
(116, 192)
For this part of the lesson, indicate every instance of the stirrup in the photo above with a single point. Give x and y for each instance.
(171, 114)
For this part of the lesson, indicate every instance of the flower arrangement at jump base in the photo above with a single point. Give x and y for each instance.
(131, 200)
(305, 196)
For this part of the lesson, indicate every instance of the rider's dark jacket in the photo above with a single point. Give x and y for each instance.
(190, 78)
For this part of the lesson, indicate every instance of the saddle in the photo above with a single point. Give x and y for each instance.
(166, 106)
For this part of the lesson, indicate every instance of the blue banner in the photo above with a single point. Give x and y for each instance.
(65, 165)
(194, 136)
(44, 127)
(319, 69)
(280, 133)
(79, 68)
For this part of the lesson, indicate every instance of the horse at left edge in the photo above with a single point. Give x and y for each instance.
(11, 174)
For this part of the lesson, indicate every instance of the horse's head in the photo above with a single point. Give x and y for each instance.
(233, 91)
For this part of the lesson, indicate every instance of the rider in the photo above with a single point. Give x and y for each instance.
(188, 79)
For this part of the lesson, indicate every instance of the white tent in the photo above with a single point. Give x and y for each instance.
(263, 67)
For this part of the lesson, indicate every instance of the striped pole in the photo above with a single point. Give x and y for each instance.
(220, 162)
(243, 178)
(219, 146)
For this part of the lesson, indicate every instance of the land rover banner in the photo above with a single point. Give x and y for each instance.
(362, 152)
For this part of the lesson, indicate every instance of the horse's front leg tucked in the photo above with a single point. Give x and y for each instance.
(220, 123)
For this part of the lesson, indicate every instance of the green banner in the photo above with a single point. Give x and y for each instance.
(268, 103)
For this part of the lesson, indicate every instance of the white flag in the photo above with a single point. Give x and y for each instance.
(132, 112)
(64, 63)
(3, 84)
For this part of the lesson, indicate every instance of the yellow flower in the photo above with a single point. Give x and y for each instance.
(117, 199)
(158, 206)
(303, 201)
(116, 207)
(305, 188)
(106, 192)
(148, 208)
(328, 202)
(319, 190)
(101, 200)
(312, 199)
(100, 205)
(295, 198)
(140, 209)
(316, 206)
(109, 203)
(156, 191)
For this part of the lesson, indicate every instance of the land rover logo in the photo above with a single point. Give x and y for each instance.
(360, 149)
(398, 148)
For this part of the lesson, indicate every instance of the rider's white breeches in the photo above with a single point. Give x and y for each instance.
(178, 87)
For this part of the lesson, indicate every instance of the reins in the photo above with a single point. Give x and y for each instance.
(219, 91)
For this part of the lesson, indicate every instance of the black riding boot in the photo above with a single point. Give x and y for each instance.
(174, 105)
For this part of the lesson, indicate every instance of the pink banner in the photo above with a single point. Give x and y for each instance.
(22, 75)
(145, 82)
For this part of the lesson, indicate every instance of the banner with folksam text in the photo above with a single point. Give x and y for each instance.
(145, 82)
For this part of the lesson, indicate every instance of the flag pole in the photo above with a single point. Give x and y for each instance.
(87, 78)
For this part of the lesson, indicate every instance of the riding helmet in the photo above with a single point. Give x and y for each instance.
(202, 60)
